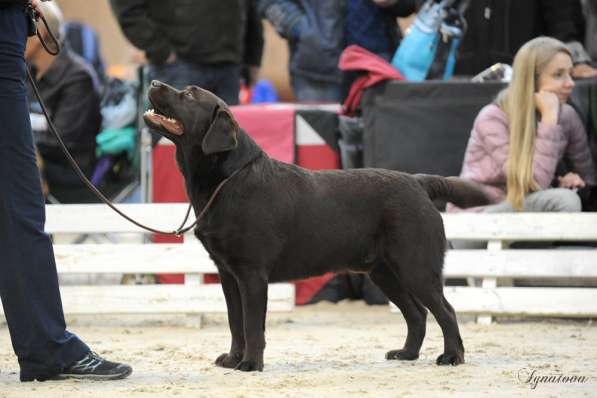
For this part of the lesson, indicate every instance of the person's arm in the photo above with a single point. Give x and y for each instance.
(577, 150)
(77, 115)
(140, 30)
(564, 21)
(491, 130)
(34, 4)
(286, 16)
(397, 8)
(549, 133)
(545, 159)
(253, 46)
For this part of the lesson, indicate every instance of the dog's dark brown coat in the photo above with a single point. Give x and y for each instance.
(277, 222)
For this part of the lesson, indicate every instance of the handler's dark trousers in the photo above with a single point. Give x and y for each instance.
(28, 279)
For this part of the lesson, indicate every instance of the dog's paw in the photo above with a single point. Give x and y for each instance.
(402, 355)
(229, 360)
(450, 359)
(249, 366)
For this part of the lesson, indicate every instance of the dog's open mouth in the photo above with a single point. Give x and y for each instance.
(171, 125)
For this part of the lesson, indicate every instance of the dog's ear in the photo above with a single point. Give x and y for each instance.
(221, 135)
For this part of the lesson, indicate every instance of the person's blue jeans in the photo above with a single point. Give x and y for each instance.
(306, 89)
(221, 79)
(28, 278)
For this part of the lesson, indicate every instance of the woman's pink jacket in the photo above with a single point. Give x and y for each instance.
(487, 150)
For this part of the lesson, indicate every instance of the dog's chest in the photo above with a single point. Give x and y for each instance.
(216, 246)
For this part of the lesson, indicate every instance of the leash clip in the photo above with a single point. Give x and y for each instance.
(31, 19)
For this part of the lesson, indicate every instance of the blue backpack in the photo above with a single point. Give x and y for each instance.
(428, 51)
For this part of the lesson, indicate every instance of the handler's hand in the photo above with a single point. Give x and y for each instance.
(36, 7)
(571, 180)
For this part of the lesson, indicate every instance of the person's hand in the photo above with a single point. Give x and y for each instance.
(384, 3)
(571, 181)
(36, 7)
(548, 105)
(138, 57)
(253, 75)
(172, 58)
(584, 71)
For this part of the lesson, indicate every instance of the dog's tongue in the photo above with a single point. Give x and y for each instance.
(173, 126)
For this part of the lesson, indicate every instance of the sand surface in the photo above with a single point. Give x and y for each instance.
(329, 350)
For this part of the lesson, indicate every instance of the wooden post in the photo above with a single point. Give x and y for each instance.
(490, 283)
(193, 320)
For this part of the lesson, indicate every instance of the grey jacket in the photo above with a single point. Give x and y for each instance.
(590, 10)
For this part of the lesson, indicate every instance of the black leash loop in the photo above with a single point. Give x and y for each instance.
(181, 229)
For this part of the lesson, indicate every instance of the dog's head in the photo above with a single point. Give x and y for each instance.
(190, 117)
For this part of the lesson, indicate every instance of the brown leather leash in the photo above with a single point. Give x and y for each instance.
(181, 229)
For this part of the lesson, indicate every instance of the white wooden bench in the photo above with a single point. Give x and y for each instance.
(192, 298)
(498, 261)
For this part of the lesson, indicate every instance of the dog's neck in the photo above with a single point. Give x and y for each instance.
(203, 173)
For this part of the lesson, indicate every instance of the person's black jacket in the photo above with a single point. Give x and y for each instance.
(198, 31)
(498, 28)
(69, 88)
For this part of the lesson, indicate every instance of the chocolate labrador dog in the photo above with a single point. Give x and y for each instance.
(275, 222)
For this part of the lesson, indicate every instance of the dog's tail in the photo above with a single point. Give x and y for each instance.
(461, 192)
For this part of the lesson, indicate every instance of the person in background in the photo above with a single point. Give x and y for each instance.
(70, 89)
(318, 31)
(517, 142)
(498, 28)
(28, 279)
(207, 43)
(590, 12)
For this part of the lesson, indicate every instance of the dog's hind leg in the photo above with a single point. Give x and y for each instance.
(417, 262)
(414, 313)
(443, 312)
(253, 290)
(235, 321)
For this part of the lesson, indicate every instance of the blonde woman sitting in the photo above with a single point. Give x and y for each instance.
(517, 141)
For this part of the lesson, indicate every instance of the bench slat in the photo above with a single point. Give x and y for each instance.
(99, 218)
(538, 301)
(522, 226)
(532, 301)
(155, 299)
(133, 258)
(521, 263)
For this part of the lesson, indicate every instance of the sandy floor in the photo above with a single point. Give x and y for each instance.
(329, 351)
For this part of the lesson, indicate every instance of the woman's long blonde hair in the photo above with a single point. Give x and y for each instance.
(518, 102)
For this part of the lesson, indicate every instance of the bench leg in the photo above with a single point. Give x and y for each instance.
(193, 320)
(486, 283)
(490, 283)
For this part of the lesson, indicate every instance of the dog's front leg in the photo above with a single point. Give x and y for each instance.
(235, 321)
(253, 289)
